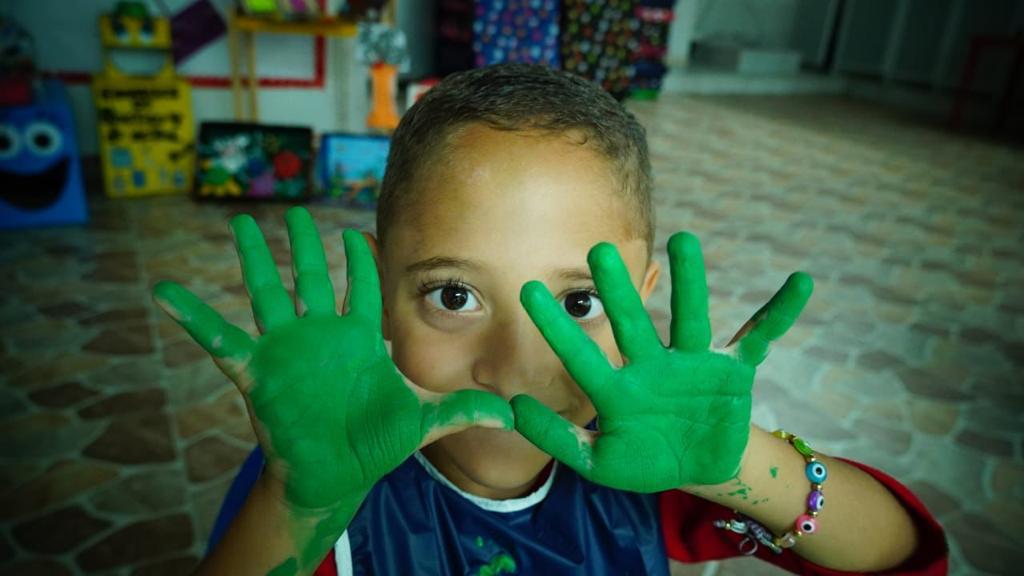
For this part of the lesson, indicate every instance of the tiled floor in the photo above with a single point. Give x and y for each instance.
(120, 437)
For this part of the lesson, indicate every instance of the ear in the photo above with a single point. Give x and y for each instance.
(385, 320)
(650, 280)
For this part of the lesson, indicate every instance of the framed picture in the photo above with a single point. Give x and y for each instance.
(253, 161)
(351, 168)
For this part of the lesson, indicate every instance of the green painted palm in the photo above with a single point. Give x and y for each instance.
(671, 416)
(330, 409)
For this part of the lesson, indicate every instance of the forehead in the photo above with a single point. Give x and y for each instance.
(511, 199)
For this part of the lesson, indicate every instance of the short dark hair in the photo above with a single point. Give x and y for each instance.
(520, 97)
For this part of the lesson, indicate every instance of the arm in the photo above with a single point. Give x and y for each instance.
(331, 411)
(862, 528)
(255, 543)
(679, 415)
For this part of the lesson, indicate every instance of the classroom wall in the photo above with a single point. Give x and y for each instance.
(768, 23)
(67, 41)
(761, 23)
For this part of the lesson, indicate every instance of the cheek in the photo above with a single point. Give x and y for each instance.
(605, 339)
(584, 411)
(432, 360)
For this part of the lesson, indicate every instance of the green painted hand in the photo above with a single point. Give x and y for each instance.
(672, 416)
(329, 407)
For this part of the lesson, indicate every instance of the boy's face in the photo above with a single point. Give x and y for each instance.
(500, 209)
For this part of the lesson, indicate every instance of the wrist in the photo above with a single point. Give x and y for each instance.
(703, 490)
(275, 491)
(311, 531)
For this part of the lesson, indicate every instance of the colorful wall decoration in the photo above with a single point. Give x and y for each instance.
(516, 31)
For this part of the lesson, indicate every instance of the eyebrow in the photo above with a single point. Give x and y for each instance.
(439, 262)
(436, 262)
(574, 275)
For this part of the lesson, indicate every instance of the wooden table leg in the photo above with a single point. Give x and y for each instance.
(235, 57)
(254, 113)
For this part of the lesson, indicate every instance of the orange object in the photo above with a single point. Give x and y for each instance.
(383, 112)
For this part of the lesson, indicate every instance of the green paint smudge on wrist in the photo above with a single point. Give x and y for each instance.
(287, 568)
(774, 470)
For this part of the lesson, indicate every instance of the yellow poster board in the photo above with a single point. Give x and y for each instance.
(146, 135)
(144, 123)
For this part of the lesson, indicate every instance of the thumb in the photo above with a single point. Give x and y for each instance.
(545, 429)
(445, 414)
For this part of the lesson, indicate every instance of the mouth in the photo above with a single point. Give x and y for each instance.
(34, 191)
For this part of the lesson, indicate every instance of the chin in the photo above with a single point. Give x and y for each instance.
(500, 460)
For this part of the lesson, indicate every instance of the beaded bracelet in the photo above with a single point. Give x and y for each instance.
(805, 524)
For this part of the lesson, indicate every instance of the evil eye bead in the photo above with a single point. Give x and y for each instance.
(816, 472)
(806, 524)
(815, 501)
(801, 446)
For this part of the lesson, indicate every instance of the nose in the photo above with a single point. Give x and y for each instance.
(513, 357)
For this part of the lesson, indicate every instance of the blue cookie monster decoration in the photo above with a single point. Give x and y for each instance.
(40, 172)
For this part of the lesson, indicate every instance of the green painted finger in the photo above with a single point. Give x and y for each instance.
(363, 283)
(309, 265)
(580, 355)
(465, 408)
(691, 325)
(217, 336)
(634, 332)
(545, 429)
(271, 305)
(775, 318)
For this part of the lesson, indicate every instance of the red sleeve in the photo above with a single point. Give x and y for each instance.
(690, 536)
(328, 567)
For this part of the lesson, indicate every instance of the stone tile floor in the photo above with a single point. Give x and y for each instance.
(120, 437)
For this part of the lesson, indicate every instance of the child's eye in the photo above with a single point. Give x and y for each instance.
(453, 298)
(582, 305)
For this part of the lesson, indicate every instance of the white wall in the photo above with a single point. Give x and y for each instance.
(681, 32)
(416, 18)
(768, 23)
(760, 23)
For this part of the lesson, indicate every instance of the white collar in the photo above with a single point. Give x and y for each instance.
(510, 505)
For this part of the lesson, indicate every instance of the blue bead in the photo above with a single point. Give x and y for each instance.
(816, 472)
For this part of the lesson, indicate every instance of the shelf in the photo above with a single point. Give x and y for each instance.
(338, 27)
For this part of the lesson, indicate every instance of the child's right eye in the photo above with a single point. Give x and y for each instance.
(453, 298)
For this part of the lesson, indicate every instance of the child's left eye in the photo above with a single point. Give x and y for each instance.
(582, 305)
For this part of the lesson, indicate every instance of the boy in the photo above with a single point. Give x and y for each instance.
(514, 240)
